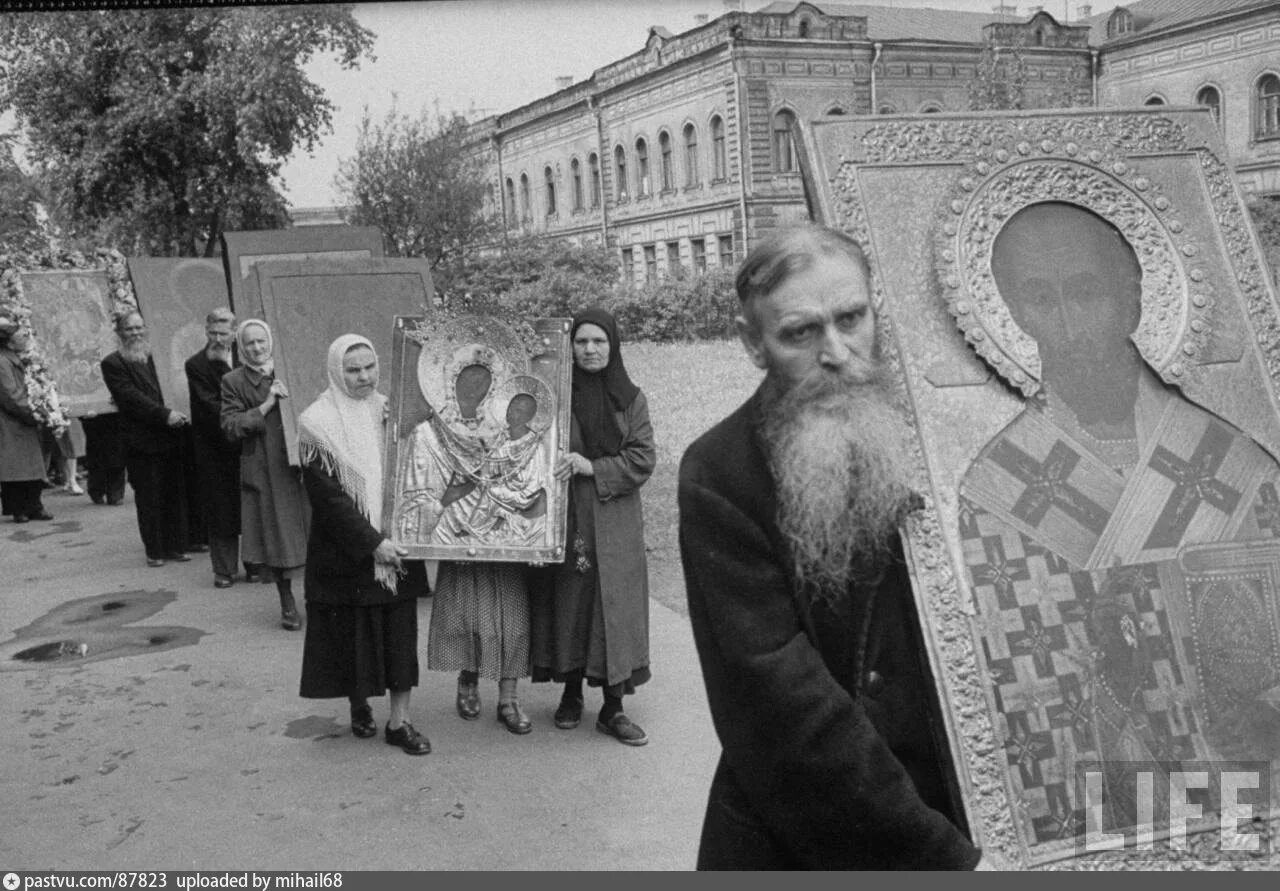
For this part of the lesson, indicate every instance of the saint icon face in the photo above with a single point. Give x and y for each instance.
(1072, 282)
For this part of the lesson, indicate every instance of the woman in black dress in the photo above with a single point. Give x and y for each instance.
(362, 608)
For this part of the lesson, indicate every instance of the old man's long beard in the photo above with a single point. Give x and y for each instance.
(136, 351)
(837, 450)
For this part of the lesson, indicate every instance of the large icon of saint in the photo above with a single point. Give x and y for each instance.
(475, 471)
(1122, 543)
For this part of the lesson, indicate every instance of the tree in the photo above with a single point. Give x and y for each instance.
(159, 129)
(558, 276)
(1000, 81)
(419, 180)
(21, 228)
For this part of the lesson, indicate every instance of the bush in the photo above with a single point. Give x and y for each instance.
(696, 307)
(545, 277)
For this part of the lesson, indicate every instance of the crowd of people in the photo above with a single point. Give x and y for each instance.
(317, 520)
(799, 599)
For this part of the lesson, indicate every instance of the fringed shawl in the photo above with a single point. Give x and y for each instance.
(344, 434)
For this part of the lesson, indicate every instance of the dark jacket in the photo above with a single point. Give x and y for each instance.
(832, 752)
(340, 548)
(204, 385)
(144, 418)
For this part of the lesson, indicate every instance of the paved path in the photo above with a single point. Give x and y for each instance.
(187, 747)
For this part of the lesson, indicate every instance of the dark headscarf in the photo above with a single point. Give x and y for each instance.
(597, 395)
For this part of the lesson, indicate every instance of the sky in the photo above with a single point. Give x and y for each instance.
(490, 56)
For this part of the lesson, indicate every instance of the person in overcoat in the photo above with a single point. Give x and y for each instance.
(801, 606)
(362, 606)
(591, 613)
(217, 459)
(274, 513)
(21, 458)
(150, 434)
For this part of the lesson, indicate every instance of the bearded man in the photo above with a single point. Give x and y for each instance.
(217, 459)
(801, 606)
(149, 432)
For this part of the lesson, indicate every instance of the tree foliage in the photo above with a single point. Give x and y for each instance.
(21, 229)
(555, 267)
(159, 129)
(417, 180)
(1000, 81)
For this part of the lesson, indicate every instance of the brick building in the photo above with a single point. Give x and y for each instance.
(681, 155)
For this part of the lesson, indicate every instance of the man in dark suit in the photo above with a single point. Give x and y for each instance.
(801, 607)
(149, 431)
(217, 460)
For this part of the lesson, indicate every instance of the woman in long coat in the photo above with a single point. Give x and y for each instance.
(274, 513)
(591, 612)
(21, 459)
(362, 609)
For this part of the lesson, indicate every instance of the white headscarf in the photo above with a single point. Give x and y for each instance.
(269, 366)
(345, 434)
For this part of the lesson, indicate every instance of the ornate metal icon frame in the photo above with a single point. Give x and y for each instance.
(511, 508)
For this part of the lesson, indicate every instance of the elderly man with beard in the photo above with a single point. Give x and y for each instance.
(801, 606)
(149, 431)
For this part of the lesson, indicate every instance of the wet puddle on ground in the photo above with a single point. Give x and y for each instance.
(95, 628)
(314, 727)
(34, 533)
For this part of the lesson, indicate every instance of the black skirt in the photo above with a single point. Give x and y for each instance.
(360, 651)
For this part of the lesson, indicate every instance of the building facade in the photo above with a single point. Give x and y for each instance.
(680, 156)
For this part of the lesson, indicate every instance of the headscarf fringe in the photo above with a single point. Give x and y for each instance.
(352, 482)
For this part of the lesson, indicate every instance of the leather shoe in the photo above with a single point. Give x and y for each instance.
(468, 701)
(290, 620)
(222, 581)
(252, 577)
(115, 502)
(21, 518)
(362, 723)
(178, 557)
(569, 714)
(154, 562)
(513, 718)
(404, 736)
(621, 728)
(43, 515)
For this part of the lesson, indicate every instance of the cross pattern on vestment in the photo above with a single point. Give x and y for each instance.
(1026, 748)
(1048, 486)
(1000, 571)
(1195, 483)
(1037, 640)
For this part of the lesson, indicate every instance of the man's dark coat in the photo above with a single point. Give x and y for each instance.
(217, 459)
(833, 756)
(144, 418)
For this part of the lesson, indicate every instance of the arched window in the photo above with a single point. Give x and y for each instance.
(642, 168)
(886, 109)
(1268, 125)
(620, 174)
(575, 171)
(512, 213)
(691, 177)
(593, 166)
(550, 178)
(1211, 99)
(1154, 100)
(930, 109)
(719, 158)
(784, 150)
(526, 206)
(804, 27)
(664, 148)
(835, 110)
